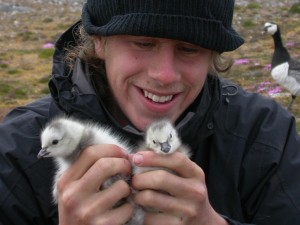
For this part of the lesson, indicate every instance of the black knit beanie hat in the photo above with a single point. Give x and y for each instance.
(206, 23)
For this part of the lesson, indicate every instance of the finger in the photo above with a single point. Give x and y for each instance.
(176, 162)
(161, 202)
(85, 207)
(162, 218)
(103, 169)
(105, 200)
(92, 180)
(156, 180)
(116, 216)
(88, 157)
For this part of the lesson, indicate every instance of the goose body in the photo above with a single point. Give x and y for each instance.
(285, 70)
(162, 138)
(65, 138)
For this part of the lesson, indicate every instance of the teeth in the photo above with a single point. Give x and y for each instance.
(156, 98)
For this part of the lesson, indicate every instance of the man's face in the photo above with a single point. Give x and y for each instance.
(153, 78)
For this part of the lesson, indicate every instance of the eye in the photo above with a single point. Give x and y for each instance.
(170, 136)
(144, 44)
(189, 49)
(154, 142)
(54, 142)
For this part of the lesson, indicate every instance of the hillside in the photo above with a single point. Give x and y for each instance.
(29, 29)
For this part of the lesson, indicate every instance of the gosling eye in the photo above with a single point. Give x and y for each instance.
(170, 136)
(54, 142)
(154, 142)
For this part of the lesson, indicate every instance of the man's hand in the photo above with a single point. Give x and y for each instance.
(179, 198)
(80, 200)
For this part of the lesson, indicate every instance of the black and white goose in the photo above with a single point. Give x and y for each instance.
(285, 70)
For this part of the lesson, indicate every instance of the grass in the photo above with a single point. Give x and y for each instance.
(295, 8)
(253, 5)
(25, 65)
(3, 66)
(46, 53)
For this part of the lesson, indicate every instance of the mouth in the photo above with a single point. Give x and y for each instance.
(158, 98)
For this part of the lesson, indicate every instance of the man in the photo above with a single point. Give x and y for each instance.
(135, 62)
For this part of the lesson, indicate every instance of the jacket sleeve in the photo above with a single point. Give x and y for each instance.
(234, 222)
(270, 169)
(280, 195)
(25, 182)
(266, 153)
(271, 172)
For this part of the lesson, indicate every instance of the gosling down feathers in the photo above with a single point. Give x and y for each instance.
(285, 70)
(162, 138)
(64, 139)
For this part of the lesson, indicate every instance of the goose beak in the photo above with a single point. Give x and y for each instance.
(43, 153)
(165, 147)
(266, 27)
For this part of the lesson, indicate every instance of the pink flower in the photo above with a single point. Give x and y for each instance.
(48, 45)
(260, 89)
(241, 61)
(275, 90)
(268, 67)
(290, 44)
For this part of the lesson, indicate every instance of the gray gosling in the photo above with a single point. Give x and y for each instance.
(162, 138)
(64, 139)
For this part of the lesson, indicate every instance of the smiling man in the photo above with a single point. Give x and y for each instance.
(129, 63)
(153, 78)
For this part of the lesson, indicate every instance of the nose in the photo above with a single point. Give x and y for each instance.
(163, 67)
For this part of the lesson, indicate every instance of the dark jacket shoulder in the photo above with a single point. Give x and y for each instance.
(25, 181)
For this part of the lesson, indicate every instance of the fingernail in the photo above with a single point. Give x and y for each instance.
(138, 159)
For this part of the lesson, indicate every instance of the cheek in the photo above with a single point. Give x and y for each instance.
(196, 69)
(194, 79)
(123, 70)
(118, 73)
(197, 75)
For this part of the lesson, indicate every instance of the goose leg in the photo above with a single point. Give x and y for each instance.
(291, 102)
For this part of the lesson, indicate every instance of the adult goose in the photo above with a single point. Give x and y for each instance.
(285, 70)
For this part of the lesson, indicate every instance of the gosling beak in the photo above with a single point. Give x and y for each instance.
(165, 147)
(43, 153)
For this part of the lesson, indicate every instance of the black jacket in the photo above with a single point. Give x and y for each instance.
(246, 144)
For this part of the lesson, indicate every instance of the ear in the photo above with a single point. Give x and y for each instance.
(99, 43)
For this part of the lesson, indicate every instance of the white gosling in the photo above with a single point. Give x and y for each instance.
(162, 138)
(285, 70)
(64, 139)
